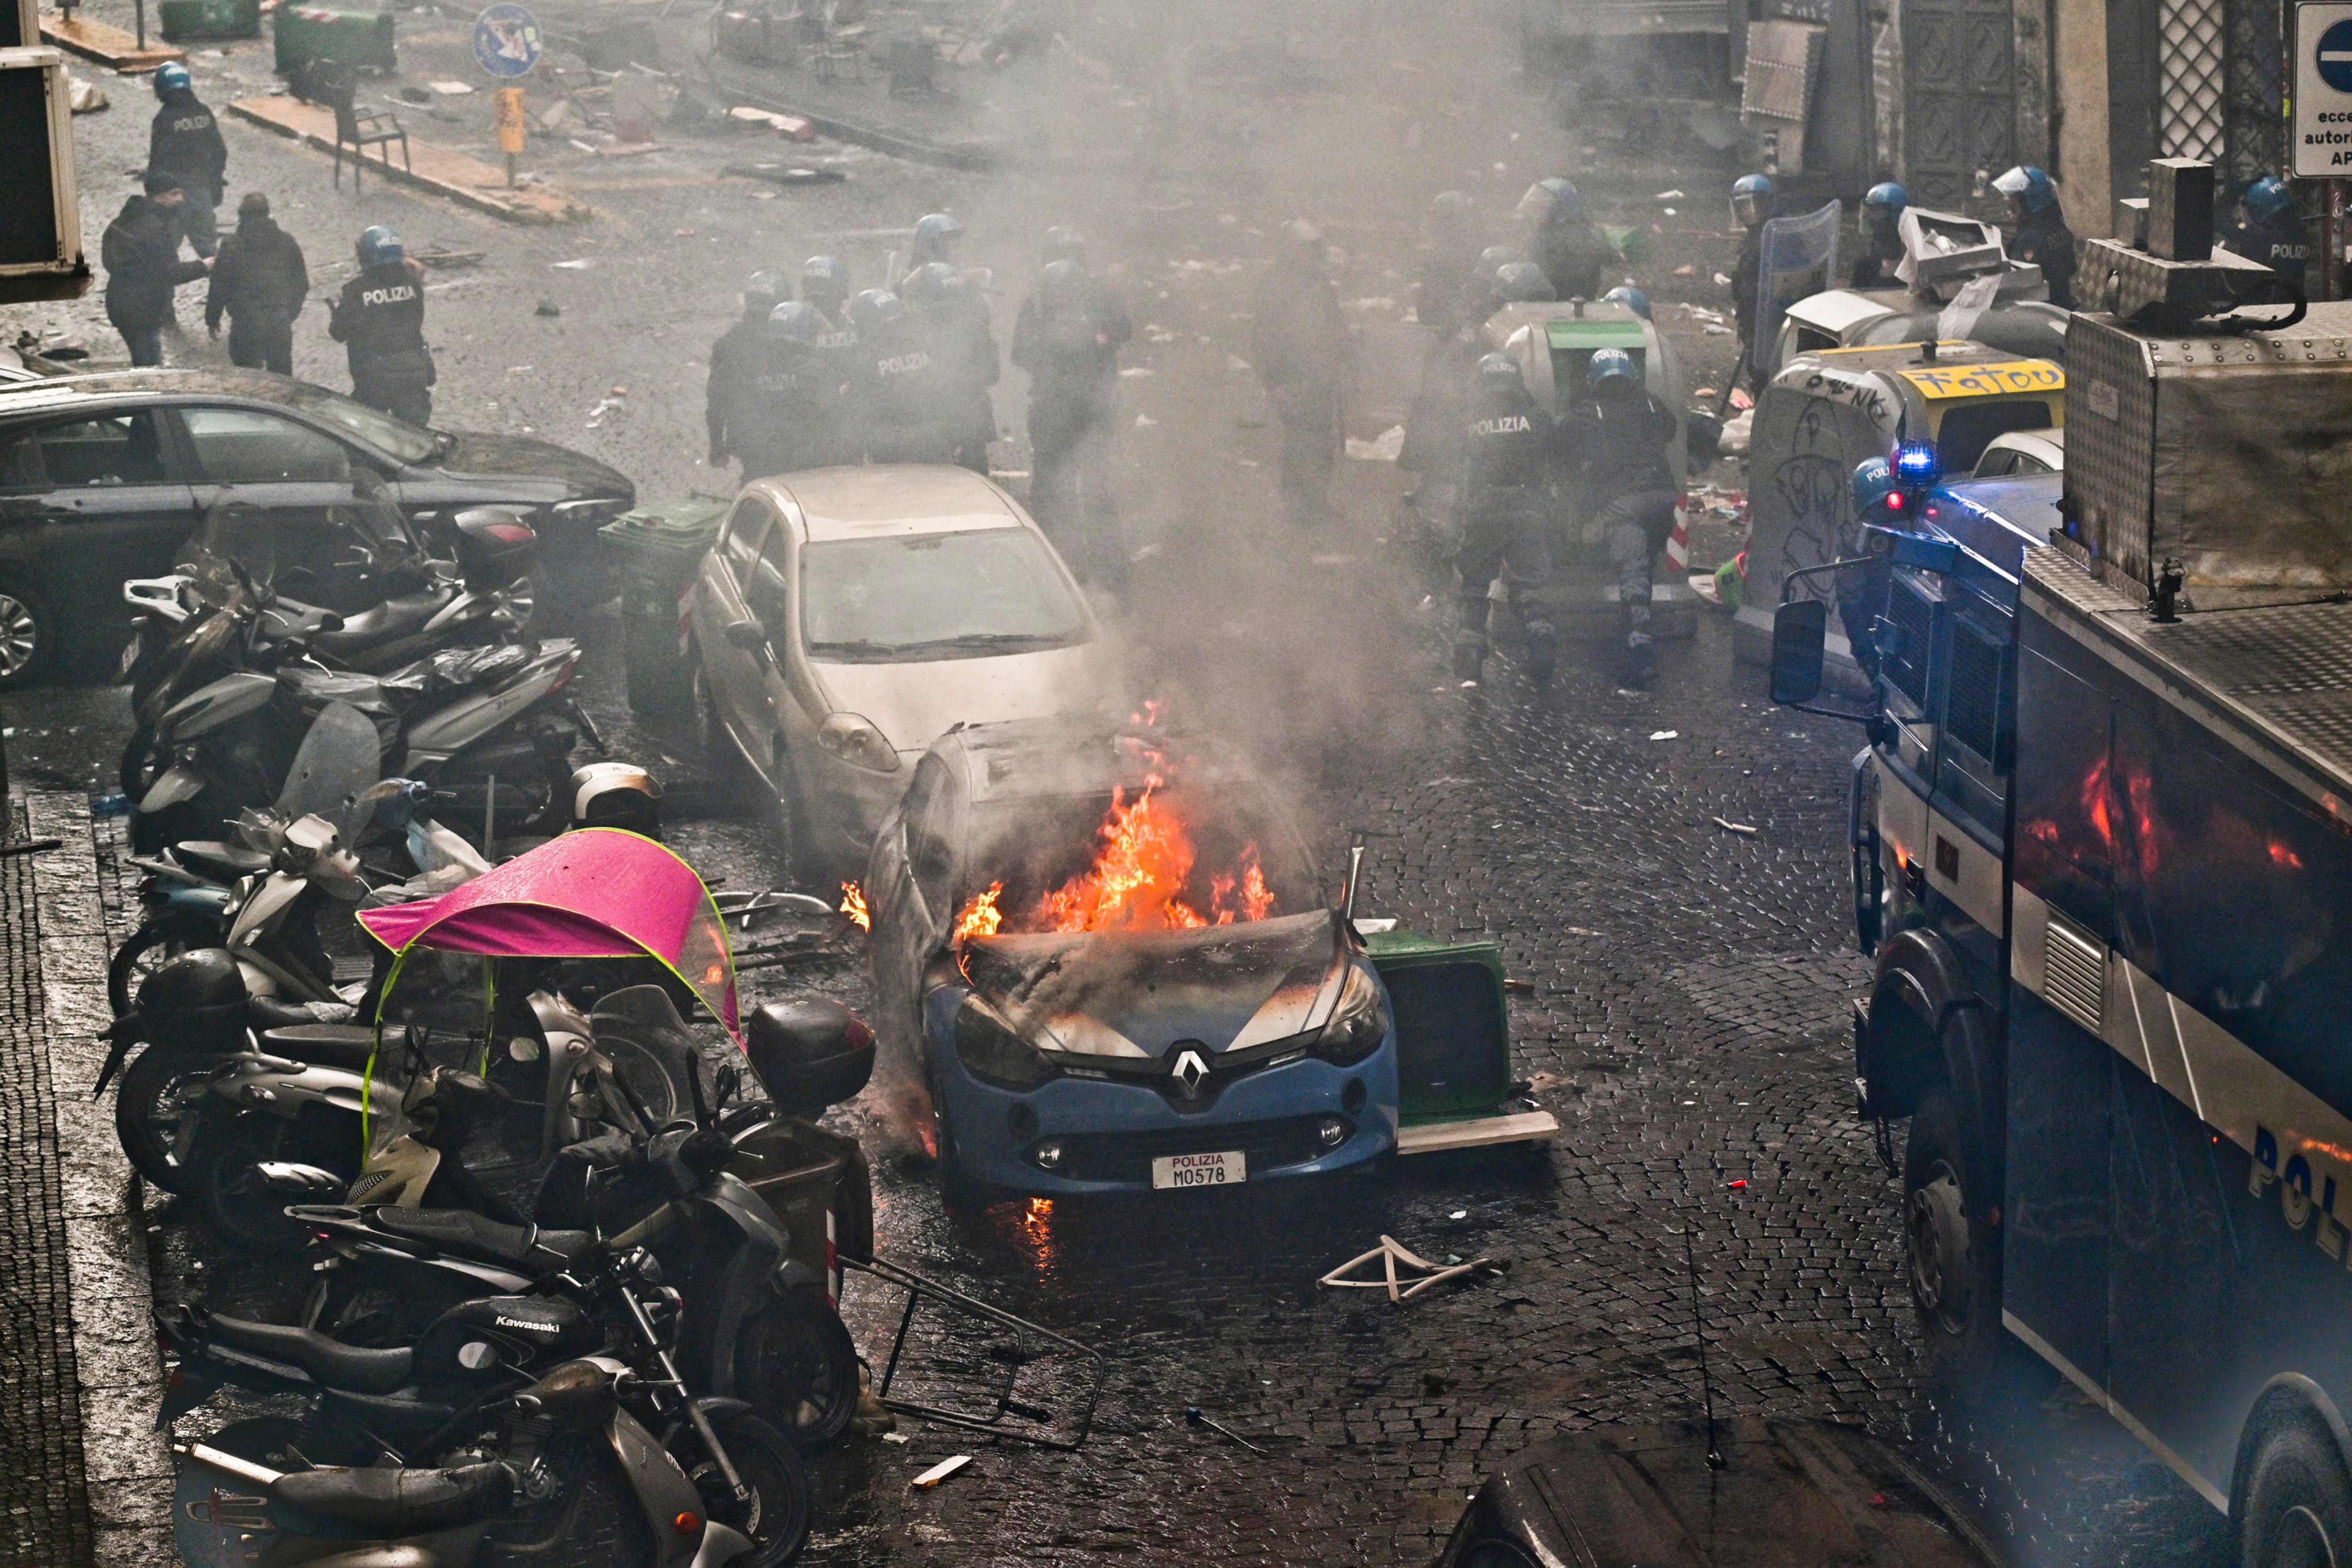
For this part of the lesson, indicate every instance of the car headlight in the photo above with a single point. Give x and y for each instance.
(857, 743)
(994, 1054)
(1357, 1024)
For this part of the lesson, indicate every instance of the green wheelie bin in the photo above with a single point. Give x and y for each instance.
(660, 547)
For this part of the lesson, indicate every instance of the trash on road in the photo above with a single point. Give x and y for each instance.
(1383, 447)
(1193, 1416)
(941, 1471)
(787, 173)
(83, 97)
(1734, 826)
(798, 127)
(1419, 1274)
(1665, 734)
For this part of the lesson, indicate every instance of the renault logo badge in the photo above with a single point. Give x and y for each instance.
(1191, 1071)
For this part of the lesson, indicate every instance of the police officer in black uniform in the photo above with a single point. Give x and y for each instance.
(1751, 205)
(1883, 206)
(1569, 245)
(951, 320)
(1068, 337)
(795, 414)
(379, 322)
(906, 387)
(187, 140)
(1449, 253)
(735, 357)
(1508, 488)
(2037, 231)
(1617, 440)
(2270, 229)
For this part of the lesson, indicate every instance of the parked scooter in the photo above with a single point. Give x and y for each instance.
(590, 1449)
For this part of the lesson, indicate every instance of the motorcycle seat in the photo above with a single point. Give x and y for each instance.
(395, 1502)
(219, 862)
(344, 1046)
(330, 1361)
(392, 618)
(480, 1237)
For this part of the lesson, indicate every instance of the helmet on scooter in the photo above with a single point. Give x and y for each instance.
(616, 795)
(197, 1000)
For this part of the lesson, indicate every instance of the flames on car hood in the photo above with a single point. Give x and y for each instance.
(1133, 994)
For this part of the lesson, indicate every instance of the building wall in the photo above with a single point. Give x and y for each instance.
(2079, 53)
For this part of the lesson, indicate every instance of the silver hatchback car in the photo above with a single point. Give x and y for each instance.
(847, 617)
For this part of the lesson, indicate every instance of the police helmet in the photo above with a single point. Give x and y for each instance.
(873, 307)
(2028, 186)
(933, 230)
(927, 285)
(1499, 372)
(616, 795)
(1887, 195)
(198, 998)
(1632, 298)
(1873, 482)
(824, 282)
(1059, 282)
(378, 246)
(1518, 280)
(795, 321)
(173, 77)
(1608, 364)
(1063, 243)
(2268, 197)
(763, 293)
(1494, 257)
(1751, 199)
(1565, 202)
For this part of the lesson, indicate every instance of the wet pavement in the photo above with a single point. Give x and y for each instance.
(1683, 1011)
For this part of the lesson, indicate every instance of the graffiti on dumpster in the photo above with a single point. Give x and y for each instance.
(1812, 486)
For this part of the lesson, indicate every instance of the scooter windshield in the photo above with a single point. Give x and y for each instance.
(338, 758)
(236, 549)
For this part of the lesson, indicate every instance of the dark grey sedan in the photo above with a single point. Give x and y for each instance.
(102, 477)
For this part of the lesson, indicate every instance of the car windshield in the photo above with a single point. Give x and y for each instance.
(394, 437)
(927, 596)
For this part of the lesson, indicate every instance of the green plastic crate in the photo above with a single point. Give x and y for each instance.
(360, 40)
(660, 548)
(188, 20)
(1452, 1023)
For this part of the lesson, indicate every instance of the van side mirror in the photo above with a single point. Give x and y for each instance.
(1799, 629)
(750, 636)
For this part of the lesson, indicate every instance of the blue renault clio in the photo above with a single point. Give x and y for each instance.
(1110, 958)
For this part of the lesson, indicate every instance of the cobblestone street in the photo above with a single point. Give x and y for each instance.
(1666, 873)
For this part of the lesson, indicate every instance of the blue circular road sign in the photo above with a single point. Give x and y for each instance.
(2336, 56)
(506, 40)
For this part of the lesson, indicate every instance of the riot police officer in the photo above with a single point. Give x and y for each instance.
(1448, 253)
(2270, 229)
(186, 138)
(1618, 438)
(936, 237)
(379, 322)
(1883, 206)
(1752, 203)
(1567, 244)
(2037, 231)
(1632, 298)
(907, 385)
(1301, 337)
(825, 283)
(952, 321)
(793, 414)
(1509, 468)
(735, 357)
(1068, 337)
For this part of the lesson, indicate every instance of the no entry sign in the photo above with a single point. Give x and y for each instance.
(2322, 132)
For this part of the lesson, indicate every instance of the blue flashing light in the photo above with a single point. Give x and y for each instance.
(1914, 464)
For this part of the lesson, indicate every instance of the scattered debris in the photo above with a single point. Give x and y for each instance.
(451, 88)
(437, 257)
(578, 264)
(1392, 1253)
(1192, 1416)
(630, 149)
(1383, 447)
(1667, 196)
(1513, 986)
(941, 1471)
(1665, 734)
(798, 127)
(83, 97)
(787, 173)
(1740, 827)
(1723, 280)
(547, 308)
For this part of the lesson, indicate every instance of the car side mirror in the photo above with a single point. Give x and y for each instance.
(749, 635)
(1799, 629)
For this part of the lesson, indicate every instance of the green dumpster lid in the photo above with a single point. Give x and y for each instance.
(688, 524)
(1586, 334)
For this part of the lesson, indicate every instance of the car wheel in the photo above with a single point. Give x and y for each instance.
(2297, 1499)
(143, 952)
(1952, 1257)
(28, 635)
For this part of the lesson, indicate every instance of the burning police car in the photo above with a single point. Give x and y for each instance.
(1115, 964)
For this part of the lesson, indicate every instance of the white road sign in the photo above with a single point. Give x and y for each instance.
(2323, 89)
